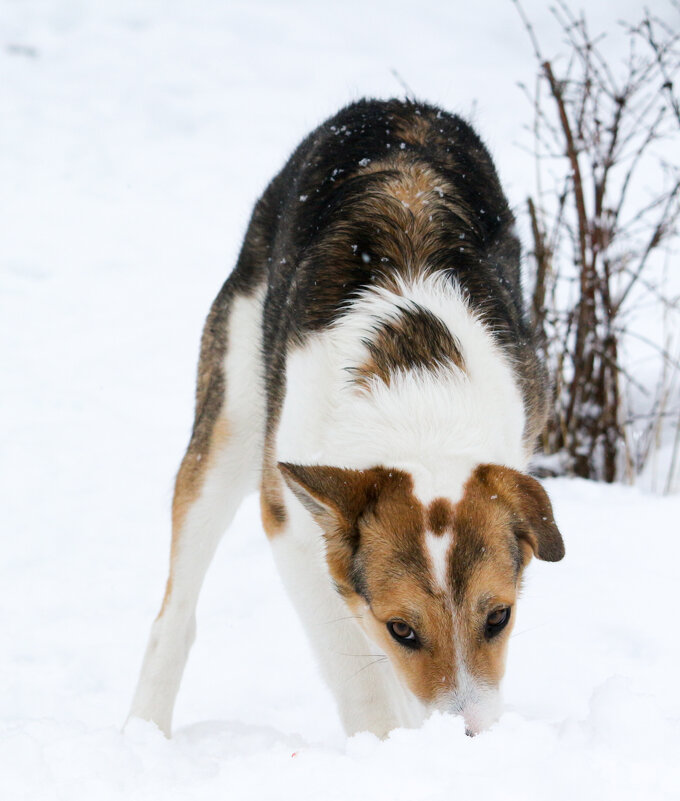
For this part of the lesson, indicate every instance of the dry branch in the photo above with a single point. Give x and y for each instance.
(593, 229)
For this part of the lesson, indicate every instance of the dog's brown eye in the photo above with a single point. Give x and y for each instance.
(403, 633)
(497, 621)
(401, 629)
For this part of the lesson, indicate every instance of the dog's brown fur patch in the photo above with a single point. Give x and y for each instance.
(531, 514)
(337, 497)
(416, 186)
(416, 339)
(407, 199)
(440, 515)
(189, 481)
(415, 131)
(197, 460)
(272, 506)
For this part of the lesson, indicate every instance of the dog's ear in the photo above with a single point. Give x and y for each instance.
(336, 497)
(534, 521)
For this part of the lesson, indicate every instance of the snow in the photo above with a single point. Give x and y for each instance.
(134, 138)
(592, 705)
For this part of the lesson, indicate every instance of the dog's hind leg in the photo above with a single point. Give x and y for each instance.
(221, 465)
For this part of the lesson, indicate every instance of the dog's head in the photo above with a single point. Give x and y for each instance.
(433, 584)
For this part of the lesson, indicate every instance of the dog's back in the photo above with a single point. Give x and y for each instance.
(374, 317)
(386, 190)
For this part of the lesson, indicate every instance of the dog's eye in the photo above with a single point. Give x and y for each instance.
(403, 633)
(497, 621)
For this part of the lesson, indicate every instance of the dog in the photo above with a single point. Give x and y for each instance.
(369, 368)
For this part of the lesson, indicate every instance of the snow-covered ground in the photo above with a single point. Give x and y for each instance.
(134, 138)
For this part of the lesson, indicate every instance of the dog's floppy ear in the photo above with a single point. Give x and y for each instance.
(336, 497)
(531, 507)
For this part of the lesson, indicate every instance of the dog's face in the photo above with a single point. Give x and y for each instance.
(434, 584)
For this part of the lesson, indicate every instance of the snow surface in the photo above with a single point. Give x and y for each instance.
(134, 138)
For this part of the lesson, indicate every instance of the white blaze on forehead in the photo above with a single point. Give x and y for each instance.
(437, 548)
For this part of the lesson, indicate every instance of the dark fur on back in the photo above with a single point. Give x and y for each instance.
(382, 189)
(416, 339)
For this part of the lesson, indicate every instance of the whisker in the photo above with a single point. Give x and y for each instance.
(341, 653)
(525, 631)
(374, 662)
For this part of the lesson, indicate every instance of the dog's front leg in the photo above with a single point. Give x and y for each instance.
(358, 674)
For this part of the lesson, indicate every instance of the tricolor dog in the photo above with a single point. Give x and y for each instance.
(367, 366)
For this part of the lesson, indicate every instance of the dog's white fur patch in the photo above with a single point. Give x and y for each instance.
(437, 548)
(438, 425)
(245, 392)
(478, 702)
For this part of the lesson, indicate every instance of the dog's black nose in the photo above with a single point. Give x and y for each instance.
(469, 732)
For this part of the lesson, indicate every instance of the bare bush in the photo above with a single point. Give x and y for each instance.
(603, 219)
